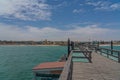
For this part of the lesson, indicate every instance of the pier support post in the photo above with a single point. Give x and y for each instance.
(35, 78)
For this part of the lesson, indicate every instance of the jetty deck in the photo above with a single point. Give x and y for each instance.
(98, 67)
(101, 68)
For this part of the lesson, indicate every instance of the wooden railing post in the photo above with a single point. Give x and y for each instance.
(111, 47)
(72, 45)
(70, 70)
(96, 49)
(98, 44)
(107, 54)
(119, 57)
(100, 51)
(69, 47)
(90, 57)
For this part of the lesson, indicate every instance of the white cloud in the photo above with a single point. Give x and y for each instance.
(78, 10)
(25, 9)
(104, 5)
(13, 32)
(64, 3)
(115, 6)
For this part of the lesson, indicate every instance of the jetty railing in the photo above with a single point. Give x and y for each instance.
(109, 52)
(87, 54)
(68, 68)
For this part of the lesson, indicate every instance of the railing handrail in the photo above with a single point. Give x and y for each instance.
(67, 70)
(110, 50)
(82, 51)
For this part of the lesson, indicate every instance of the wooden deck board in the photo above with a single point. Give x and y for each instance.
(101, 68)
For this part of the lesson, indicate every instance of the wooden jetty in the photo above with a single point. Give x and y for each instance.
(98, 67)
(85, 61)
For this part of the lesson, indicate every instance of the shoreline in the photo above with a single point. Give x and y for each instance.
(58, 45)
(30, 45)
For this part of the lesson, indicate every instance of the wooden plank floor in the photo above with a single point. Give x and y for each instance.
(101, 68)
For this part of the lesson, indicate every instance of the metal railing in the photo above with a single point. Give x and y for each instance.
(109, 53)
(87, 54)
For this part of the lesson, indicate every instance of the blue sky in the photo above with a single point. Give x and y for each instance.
(59, 19)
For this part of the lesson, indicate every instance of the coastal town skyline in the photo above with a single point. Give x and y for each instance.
(56, 20)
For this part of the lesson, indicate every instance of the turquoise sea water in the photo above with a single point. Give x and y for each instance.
(16, 62)
(77, 54)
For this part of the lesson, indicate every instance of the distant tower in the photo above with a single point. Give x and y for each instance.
(89, 39)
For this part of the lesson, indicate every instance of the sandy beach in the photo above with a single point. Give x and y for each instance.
(29, 45)
(108, 45)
